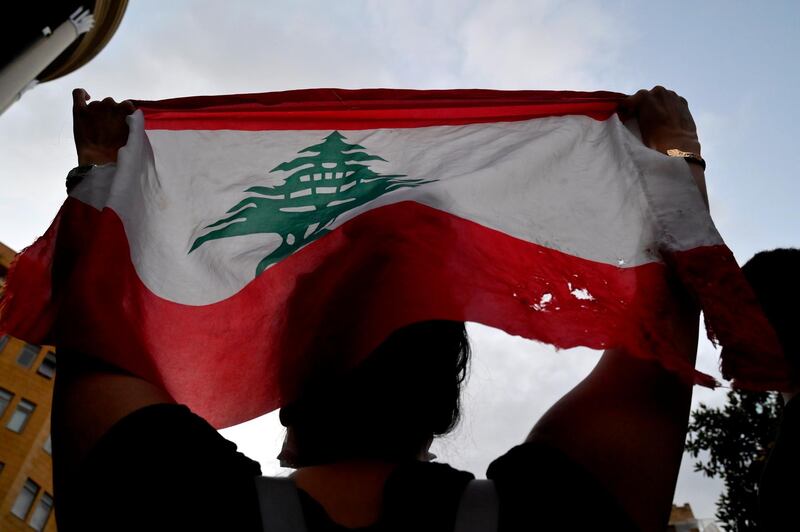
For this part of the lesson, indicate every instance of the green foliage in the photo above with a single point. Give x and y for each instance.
(321, 187)
(735, 441)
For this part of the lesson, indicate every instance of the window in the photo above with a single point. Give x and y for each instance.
(21, 416)
(25, 499)
(48, 366)
(3, 341)
(28, 355)
(5, 400)
(42, 512)
(48, 445)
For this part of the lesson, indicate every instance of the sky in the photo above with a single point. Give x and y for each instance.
(734, 61)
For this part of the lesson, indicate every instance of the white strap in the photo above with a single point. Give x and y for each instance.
(279, 505)
(477, 511)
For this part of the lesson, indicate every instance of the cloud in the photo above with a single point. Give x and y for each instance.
(419, 39)
(513, 381)
(510, 44)
(542, 44)
(36, 153)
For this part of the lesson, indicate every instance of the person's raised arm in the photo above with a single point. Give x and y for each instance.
(626, 422)
(91, 396)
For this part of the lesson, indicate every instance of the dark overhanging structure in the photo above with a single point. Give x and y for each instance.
(52, 39)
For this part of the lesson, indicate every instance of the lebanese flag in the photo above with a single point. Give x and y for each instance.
(240, 241)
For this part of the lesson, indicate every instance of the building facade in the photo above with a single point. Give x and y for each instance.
(27, 373)
(682, 519)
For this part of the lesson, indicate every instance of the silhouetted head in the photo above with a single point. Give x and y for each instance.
(774, 278)
(388, 408)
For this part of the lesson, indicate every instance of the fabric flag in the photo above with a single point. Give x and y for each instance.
(242, 241)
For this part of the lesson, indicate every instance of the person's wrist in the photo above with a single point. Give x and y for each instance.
(96, 157)
(687, 144)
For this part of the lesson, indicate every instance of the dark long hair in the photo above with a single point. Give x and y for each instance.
(405, 393)
(773, 276)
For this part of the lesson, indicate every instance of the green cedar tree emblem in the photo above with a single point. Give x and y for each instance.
(322, 186)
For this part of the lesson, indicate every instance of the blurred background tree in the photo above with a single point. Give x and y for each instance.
(732, 443)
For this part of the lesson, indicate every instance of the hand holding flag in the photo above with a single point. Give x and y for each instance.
(99, 128)
(664, 119)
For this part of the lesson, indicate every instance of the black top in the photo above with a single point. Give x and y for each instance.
(779, 489)
(164, 468)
